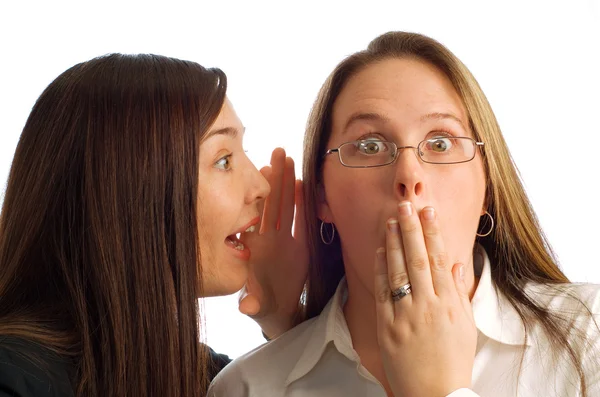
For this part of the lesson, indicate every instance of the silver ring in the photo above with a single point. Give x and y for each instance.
(401, 292)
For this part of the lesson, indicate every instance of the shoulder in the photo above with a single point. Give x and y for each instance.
(575, 307)
(264, 368)
(569, 298)
(27, 369)
(216, 363)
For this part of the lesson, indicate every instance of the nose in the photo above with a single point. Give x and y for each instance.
(258, 186)
(409, 181)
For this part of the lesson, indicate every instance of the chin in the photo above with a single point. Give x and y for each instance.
(224, 284)
(232, 283)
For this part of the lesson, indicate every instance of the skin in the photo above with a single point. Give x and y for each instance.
(279, 263)
(229, 191)
(409, 101)
(233, 196)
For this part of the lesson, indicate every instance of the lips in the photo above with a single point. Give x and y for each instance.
(233, 239)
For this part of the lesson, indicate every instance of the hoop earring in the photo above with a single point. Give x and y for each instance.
(327, 242)
(491, 227)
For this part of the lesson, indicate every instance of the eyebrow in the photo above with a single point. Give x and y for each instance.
(365, 117)
(233, 132)
(442, 116)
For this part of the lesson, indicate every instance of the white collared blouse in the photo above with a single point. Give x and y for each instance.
(317, 359)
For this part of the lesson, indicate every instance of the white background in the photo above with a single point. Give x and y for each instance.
(538, 62)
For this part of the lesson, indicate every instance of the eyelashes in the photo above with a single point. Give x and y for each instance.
(224, 163)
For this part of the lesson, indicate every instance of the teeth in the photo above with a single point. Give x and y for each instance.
(239, 246)
(251, 229)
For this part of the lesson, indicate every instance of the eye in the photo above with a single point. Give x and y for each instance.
(371, 147)
(224, 163)
(439, 144)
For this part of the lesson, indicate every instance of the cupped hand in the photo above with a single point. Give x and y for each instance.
(278, 257)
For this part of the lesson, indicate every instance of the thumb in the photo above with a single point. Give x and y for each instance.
(458, 274)
(249, 305)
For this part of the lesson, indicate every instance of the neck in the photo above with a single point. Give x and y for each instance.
(361, 317)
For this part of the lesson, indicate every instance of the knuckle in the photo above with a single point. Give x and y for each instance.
(430, 312)
(409, 228)
(428, 317)
(418, 263)
(394, 250)
(383, 295)
(438, 261)
(397, 335)
(453, 316)
(431, 231)
(398, 279)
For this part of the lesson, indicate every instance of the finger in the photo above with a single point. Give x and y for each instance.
(396, 266)
(287, 200)
(299, 218)
(273, 200)
(383, 298)
(458, 274)
(441, 275)
(249, 305)
(266, 171)
(415, 252)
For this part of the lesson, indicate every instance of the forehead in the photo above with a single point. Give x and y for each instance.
(227, 117)
(404, 87)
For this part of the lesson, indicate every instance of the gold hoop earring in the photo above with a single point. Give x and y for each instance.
(327, 242)
(491, 227)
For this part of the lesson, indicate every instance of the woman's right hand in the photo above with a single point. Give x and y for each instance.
(428, 337)
(278, 257)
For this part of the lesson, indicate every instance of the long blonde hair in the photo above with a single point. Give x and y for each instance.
(518, 249)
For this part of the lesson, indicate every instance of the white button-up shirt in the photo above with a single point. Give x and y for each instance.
(316, 358)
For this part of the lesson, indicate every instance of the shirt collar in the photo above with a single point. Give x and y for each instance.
(494, 316)
(329, 327)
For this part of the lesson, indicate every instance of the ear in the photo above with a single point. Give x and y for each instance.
(486, 201)
(324, 212)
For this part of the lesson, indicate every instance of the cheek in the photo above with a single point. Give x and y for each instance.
(352, 195)
(359, 204)
(214, 213)
(458, 199)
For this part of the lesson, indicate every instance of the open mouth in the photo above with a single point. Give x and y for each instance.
(233, 240)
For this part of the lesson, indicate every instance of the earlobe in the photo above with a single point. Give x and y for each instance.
(486, 200)
(324, 213)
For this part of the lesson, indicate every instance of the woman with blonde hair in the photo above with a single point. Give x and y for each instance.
(405, 166)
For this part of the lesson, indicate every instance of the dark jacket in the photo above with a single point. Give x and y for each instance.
(29, 370)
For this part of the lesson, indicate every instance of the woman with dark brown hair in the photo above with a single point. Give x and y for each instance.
(128, 194)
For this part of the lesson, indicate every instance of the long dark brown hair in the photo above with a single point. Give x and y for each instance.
(517, 247)
(99, 257)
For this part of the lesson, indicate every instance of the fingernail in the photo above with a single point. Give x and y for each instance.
(393, 225)
(405, 208)
(461, 272)
(429, 213)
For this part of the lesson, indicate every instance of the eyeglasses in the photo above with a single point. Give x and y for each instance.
(377, 153)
